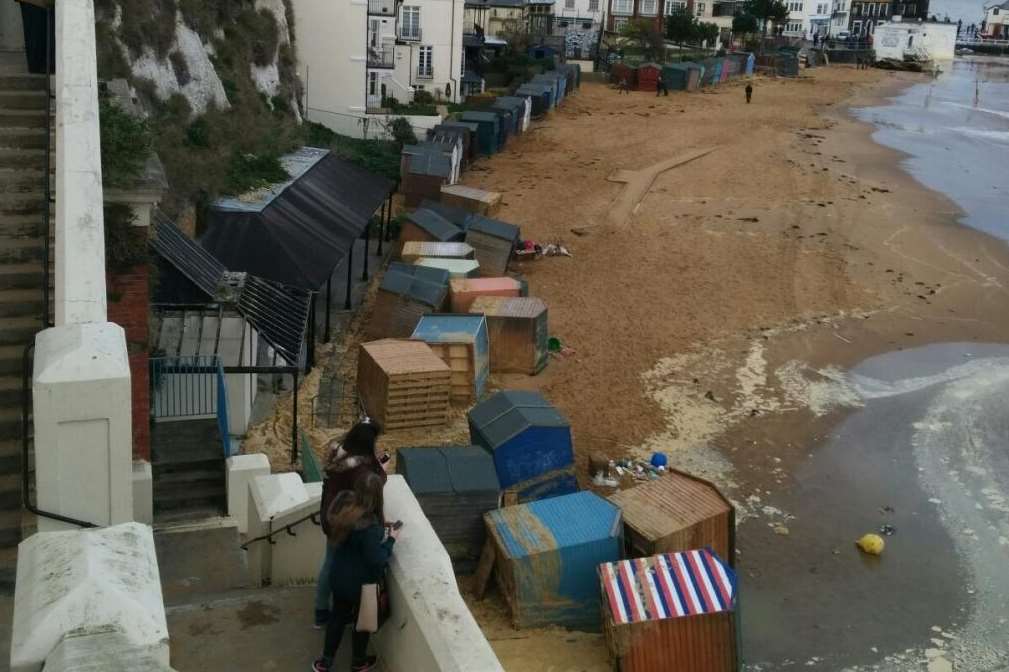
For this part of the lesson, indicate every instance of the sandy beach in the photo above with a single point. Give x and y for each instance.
(713, 319)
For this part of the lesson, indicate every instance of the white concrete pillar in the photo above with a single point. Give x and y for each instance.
(75, 583)
(80, 227)
(275, 501)
(143, 492)
(242, 469)
(83, 436)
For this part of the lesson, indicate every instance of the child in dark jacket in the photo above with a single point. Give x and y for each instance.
(361, 553)
(346, 463)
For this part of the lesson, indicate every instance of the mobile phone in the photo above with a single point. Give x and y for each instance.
(385, 458)
(398, 524)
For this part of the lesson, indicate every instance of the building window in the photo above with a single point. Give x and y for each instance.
(700, 9)
(425, 64)
(569, 4)
(673, 6)
(409, 23)
(593, 5)
(622, 7)
(647, 7)
(619, 22)
(372, 83)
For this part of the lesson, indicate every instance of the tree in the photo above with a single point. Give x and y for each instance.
(681, 26)
(744, 24)
(767, 11)
(708, 33)
(641, 33)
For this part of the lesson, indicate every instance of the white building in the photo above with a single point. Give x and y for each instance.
(818, 17)
(922, 39)
(839, 16)
(996, 21)
(797, 23)
(355, 55)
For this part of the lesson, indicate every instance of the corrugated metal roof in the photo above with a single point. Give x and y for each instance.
(301, 235)
(672, 585)
(458, 216)
(297, 163)
(450, 328)
(494, 227)
(486, 412)
(429, 162)
(549, 524)
(435, 225)
(675, 501)
(201, 267)
(420, 283)
(473, 115)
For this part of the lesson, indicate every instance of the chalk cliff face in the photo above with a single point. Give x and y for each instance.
(199, 48)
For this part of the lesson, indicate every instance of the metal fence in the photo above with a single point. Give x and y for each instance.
(190, 387)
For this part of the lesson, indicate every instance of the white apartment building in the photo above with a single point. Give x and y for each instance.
(354, 53)
(818, 17)
(797, 24)
(839, 16)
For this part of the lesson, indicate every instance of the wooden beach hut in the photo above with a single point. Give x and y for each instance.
(546, 554)
(403, 384)
(476, 201)
(428, 226)
(457, 268)
(672, 612)
(414, 250)
(518, 332)
(461, 342)
(494, 242)
(677, 512)
(464, 291)
(406, 293)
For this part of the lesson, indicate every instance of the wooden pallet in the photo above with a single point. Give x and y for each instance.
(403, 384)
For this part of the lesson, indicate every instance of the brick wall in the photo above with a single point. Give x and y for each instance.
(129, 306)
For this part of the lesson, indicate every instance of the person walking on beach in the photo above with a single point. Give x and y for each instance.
(362, 548)
(347, 462)
(623, 87)
(660, 87)
(749, 93)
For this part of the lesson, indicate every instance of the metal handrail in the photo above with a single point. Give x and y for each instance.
(289, 528)
(47, 182)
(199, 390)
(25, 425)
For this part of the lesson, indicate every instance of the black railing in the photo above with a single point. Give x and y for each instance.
(47, 180)
(379, 57)
(382, 7)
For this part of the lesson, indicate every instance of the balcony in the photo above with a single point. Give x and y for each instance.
(382, 7)
(381, 57)
(409, 34)
(425, 73)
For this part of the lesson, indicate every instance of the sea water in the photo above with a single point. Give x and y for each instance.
(954, 130)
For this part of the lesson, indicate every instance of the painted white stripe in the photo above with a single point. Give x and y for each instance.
(710, 592)
(625, 567)
(723, 577)
(667, 572)
(688, 588)
(656, 596)
(614, 585)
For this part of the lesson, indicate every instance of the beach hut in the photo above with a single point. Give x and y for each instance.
(540, 95)
(423, 172)
(670, 613)
(457, 268)
(455, 486)
(461, 342)
(648, 75)
(476, 201)
(414, 250)
(552, 80)
(494, 242)
(429, 227)
(506, 124)
(712, 71)
(546, 556)
(464, 291)
(518, 333)
(530, 442)
(677, 512)
(469, 130)
(621, 71)
(406, 293)
(786, 64)
(403, 384)
(489, 131)
(522, 106)
(456, 215)
(681, 77)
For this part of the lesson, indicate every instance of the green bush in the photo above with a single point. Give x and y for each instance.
(125, 244)
(126, 143)
(423, 98)
(252, 171)
(402, 132)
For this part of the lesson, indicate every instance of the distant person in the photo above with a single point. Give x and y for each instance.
(623, 87)
(749, 93)
(660, 87)
(346, 462)
(362, 548)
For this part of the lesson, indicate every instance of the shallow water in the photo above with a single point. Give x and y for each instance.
(955, 131)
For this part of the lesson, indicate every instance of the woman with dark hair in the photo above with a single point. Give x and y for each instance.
(346, 462)
(358, 535)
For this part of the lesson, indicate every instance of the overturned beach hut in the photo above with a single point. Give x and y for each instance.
(494, 242)
(403, 384)
(455, 486)
(530, 441)
(546, 555)
(429, 227)
(670, 613)
(407, 292)
(456, 268)
(518, 333)
(476, 201)
(461, 342)
(458, 216)
(464, 291)
(677, 512)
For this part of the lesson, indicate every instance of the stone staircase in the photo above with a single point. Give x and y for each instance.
(23, 102)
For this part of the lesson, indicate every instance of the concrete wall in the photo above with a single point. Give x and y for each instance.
(11, 35)
(75, 583)
(377, 124)
(332, 55)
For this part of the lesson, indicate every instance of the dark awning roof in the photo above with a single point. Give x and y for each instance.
(420, 283)
(191, 275)
(298, 235)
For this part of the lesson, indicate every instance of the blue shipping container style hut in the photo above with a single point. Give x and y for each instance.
(489, 133)
(506, 125)
(460, 341)
(520, 107)
(547, 555)
(541, 94)
(530, 442)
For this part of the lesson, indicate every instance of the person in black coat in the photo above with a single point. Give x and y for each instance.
(362, 548)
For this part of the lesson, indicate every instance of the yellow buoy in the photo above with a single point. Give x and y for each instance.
(872, 544)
